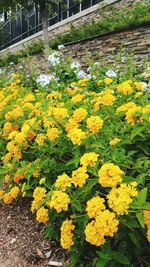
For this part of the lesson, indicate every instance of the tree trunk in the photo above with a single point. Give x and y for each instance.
(44, 16)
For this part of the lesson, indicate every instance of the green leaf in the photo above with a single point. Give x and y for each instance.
(101, 262)
(145, 206)
(119, 257)
(140, 217)
(135, 238)
(142, 195)
(137, 131)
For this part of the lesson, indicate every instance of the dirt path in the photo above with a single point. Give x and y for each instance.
(21, 239)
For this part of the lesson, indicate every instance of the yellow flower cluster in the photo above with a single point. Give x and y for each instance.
(79, 115)
(105, 98)
(53, 133)
(77, 98)
(79, 177)
(39, 195)
(59, 201)
(11, 195)
(63, 181)
(89, 159)
(125, 88)
(40, 139)
(60, 113)
(42, 215)
(66, 234)
(110, 175)
(76, 135)
(120, 198)
(147, 222)
(105, 224)
(95, 206)
(94, 124)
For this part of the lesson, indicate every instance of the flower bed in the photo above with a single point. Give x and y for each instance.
(79, 151)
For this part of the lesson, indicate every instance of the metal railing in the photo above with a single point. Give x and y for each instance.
(26, 24)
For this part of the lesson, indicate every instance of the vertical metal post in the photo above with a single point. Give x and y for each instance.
(10, 22)
(21, 22)
(67, 8)
(80, 7)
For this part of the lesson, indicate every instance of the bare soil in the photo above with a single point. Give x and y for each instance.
(22, 242)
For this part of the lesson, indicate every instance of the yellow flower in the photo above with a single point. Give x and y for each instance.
(110, 175)
(120, 198)
(139, 86)
(2, 192)
(126, 107)
(39, 194)
(93, 235)
(66, 234)
(108, 99)
(20, 138)
(14, 192)
(114, 141)
(94, 124)
(79, 177)
(42, 215)
(79, 115)
(107, 223)
(147, 222)
(63, 181)
(7, 198)
(77, 98)
(53, 134)
(89, 159)
(76, 135)
(40, 139)
(35, 205)
(60, 113)
(147, 217)
(108, 81)
(59, 201)
(83, 82)
(42, 181)
(125, 88)
(70, 125)
(131, 113)
(148, 234)
(94, 206)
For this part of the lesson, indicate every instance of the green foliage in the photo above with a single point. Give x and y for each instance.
(30, 111)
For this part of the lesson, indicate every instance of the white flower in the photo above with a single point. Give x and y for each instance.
(123, 59)
(111, 73)
(81, 74)
(54, 58)
(88, 69)
(20, 67)
(61, 47)
(11, 63)
(145, 86)
(44, 79)
(75, 65)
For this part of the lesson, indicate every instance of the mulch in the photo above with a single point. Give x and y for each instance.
(22, 242)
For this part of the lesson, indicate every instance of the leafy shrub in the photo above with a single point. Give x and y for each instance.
(81, 157)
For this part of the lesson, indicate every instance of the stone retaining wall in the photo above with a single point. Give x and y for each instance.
(107, 46)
